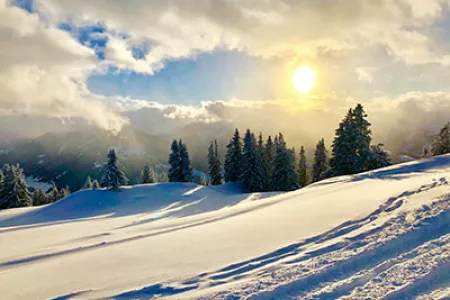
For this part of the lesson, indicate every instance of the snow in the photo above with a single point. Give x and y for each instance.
(382, 234)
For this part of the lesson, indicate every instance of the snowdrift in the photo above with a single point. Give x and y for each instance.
(382, 234)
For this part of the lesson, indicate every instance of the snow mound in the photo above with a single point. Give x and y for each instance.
(382, 234)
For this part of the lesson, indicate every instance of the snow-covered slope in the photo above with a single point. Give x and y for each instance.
(384, 234)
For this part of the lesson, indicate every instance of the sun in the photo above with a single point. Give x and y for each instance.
(304, 79)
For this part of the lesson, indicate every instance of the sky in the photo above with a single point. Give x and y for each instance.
(225, 61)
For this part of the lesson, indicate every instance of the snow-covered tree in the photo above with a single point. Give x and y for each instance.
(441, 144)
(175, 162)
(252, 176)
(379, 158)
(39, 197)
(112, 177)
(302, 168)
(284, 175)
(88, 184)
(54, 194)
(148, 174)
(320, 166)
(233, 158)
(13, 188)
(95, 185)
(214, 165)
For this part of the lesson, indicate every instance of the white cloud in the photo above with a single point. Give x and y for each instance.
(265, 28)
(43, 72)
(365, 73)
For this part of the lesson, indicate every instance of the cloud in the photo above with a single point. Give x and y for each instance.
(43, 71)
(262, 28)
(365, 73)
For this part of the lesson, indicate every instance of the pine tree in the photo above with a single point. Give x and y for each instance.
(163, 177)
(320, 166)
(13, 188)
(266, 166)
(344, 157)
(175, 162)
(284, 176)
(252, 176)
(268, 160)
(351, 147)
(186, 174)
(112, 177)
(148, 174)
(39, 197)
(426, 152)
(214, 166)
(379, 158)
(362, 138)
(441, 144)
(95, 185)
(233, 158)
(54, 194)
(88, 183)
(302, 169)
(65, 192)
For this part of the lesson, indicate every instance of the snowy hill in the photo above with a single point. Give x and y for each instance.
(383, 234)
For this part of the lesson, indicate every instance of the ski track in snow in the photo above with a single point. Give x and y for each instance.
(400, 250)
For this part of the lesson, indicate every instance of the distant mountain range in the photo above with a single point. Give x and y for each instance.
(67, 158)
(72, 152)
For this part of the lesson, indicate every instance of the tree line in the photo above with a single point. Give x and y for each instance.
(257, 164)
(14, 191)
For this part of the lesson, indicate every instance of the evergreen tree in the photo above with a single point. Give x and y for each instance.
(13, 188)
(379, 158)
(441, 144)
(175, 162)
(163, 177)
(266, 165)
(65, 192)
(233, 158)
(362, 138)
(95, 185)
(320, 166)
(148, 174)
(284, 176)
(214, 166)
(39, 197)
(426, 152)
(351, 147)
(252, 176)
(88, 184)
(186, 174)
(113, 177)
(344, 156)
(268, 161)
(54, 194)
(302, 169)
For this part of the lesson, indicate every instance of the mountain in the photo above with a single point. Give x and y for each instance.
(67, 158)
(384, 234)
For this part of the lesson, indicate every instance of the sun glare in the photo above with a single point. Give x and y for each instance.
(304, 79)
